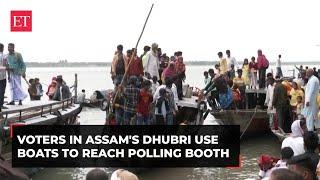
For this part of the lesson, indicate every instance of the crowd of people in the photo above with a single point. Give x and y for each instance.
(286, 99)
(13, 70)
(299, 156)
(148, 87)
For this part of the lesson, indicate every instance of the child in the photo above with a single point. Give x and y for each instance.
(155, 84)
(217, 67)
(206, 78)
(162, 107)
(246, 72)
(236, 95)
(118, 107)
(39, 88)
(232, 72)
(32, 90)
(253, 66)
(52, 88)
(143, 107)
(299, 105)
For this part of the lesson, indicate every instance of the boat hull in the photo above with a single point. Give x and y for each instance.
(250, 122)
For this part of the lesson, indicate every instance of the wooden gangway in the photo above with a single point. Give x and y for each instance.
(32, 109)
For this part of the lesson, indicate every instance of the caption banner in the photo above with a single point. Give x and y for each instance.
(125, 146)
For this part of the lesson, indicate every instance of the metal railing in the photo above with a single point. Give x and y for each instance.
(67, 103)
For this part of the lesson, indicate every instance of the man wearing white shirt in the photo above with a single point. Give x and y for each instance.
(151, 66)
(278, 66)
(3, 76)
(311, 107)
(231, 60)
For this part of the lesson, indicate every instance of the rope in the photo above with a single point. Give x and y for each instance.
(249, 123)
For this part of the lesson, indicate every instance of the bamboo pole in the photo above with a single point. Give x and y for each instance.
(133, 54)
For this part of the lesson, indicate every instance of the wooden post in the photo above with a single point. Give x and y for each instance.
(133, 54)
(75, 87)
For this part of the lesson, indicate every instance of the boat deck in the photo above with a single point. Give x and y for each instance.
(30, 110)
(28, 105)
(188, 102)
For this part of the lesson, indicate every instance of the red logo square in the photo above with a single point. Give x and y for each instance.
(21, 21)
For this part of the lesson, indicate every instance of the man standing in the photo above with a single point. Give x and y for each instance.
(311, 93)
(222, 63)
(118, 66)
(143, 56)
(135, 68)
(151, 66)
(263, 65)
(3, 78)
(231, 60)
(278, 66)
(280, 101)
(17, 68)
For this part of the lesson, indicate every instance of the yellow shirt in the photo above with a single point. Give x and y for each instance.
(318, 100)
(294, 95)
(223, 65)
(238, 81)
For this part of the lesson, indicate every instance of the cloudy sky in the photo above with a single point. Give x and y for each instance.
(89, 30)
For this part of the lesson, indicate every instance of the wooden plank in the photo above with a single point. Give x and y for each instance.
(258, 91)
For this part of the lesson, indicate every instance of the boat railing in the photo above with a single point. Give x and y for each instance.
(47, 108)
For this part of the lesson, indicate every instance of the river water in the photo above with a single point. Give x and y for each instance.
(98, 78)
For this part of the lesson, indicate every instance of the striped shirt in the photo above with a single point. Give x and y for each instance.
(2, 67)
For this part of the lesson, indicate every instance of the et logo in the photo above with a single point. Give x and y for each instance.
(21, 21)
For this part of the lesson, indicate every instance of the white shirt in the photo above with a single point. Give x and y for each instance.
(81, 97)
(278, 63)
(156, 95)
(296, 144)
(269, 96)
(2, 68)
(232, 60)
(152, 65)
(154, 87)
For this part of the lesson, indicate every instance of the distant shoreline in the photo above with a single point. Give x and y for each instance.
(106, 64)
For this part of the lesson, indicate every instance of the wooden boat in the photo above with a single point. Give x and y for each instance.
(36, 113)
(251, 121)
(280, 134)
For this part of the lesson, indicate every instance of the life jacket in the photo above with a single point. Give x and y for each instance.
(120, 67)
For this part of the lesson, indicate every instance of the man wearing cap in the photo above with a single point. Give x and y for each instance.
(151, 66)
(311, 92)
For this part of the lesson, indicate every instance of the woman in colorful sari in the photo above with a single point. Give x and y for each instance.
(168, 72)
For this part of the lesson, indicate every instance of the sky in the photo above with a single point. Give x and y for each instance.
(90, 30)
